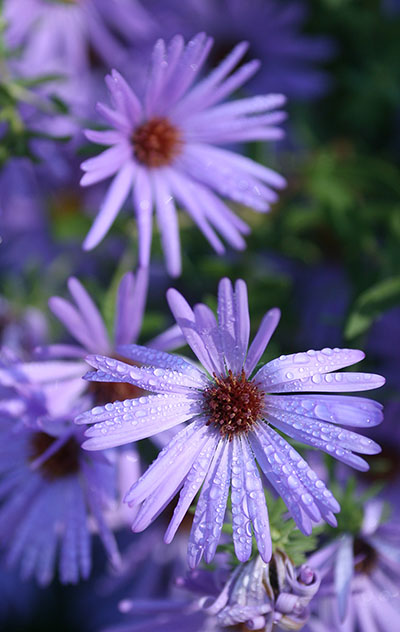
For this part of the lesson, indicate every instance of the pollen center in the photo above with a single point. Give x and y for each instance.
(233, 404)
(156, 143)
(61, 464)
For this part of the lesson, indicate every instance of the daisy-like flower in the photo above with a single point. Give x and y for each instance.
(232, 410)
(53, 494)
(164, 149)
(256, 595)
(84, 322)
(62, 34)
(361, 578)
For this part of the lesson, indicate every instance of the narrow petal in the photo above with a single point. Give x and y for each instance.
(154, 357)
(241, 523)
(112, 204)
(133, 419)
(304, 365)
(168, 222)
(152, 379)
(143, 203)
(185, 318)
(343, 573)
(90, 314)
(193, 482)
(207, 327)
(131, 301)
(268, 325)
(331, 382)
(211, 507)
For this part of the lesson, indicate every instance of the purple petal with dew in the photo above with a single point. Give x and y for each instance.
(143, 204)
(242, 321)
(304, 365)
(134, 419)
(131, 301)
(193, 101)
(268, 325)
(229, 225)
(346, 410)
(106, 164)
(232, 83)
(318, 434)
(331, 382)
(192, 484)
(256, 504)
(210, 510)
(73, 531)
(241, 523)
(229, 181)
(153, 379)
(185, 190)
(241, 107)
(104, 137)
(242, 164)
(187, 67)
(301, 489)
(48, 352)
(226, 321)
(168, 222)
(156, 473)
(154, 357)
(343, 573)
(90, 315)
(117, 119)
(124, 98)
(72, 320)
(171, 480)
(111, 205)
(207, 328)
(171, 338)
(156, 77)
(185, 318)
(50, 371)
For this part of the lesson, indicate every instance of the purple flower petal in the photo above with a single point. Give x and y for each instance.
(210, 511)
(168, 223)
(334, 382)
(134, 419)
(262, 338)
(90, 314)
(192, 484)
(143, 203)
(114, 200)
(131, 300)
(154, 357)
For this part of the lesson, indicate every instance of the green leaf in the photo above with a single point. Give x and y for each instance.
(371, 304)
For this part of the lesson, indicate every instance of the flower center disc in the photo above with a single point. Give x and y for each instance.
(63, 463)
(156, 143)
(233, 404)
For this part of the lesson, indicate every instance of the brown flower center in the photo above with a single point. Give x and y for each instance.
(233, 404)
(61, 464)
(156, 143)
(367, 555)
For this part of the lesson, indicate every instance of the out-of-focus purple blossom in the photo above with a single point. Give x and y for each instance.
(231, 414)
(82, 319)
(51, 492)
(61, 35)
(164, 149)
(361, 578)
(256, 595)
(382, 343)
(275, 32)
(24, 332)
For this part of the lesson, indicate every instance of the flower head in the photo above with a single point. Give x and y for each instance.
(255, 596)
(164, 148)
(232, 412)
(51, 490)
(361, 578)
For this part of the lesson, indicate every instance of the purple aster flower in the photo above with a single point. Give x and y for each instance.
(361, 578)
(232, 408)
(275, 32)
(53, 494)
(82, 319)
(256, 594)
(165, 150)
(62, 34)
